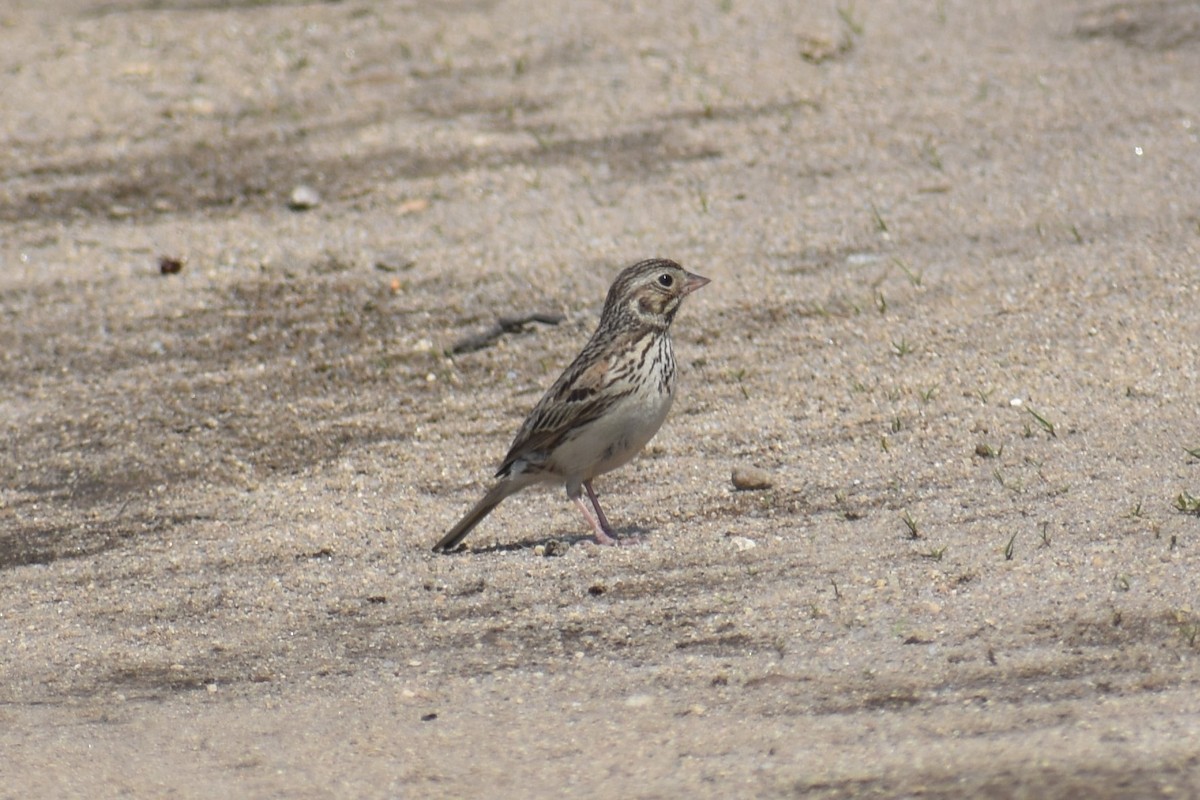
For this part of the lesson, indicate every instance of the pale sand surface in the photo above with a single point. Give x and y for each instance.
(955, 315)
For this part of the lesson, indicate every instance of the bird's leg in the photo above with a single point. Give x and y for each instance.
(602, 536)
(599, 511)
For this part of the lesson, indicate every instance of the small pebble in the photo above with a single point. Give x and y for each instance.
(394, 262)
(639, 700)
(747, 479)
(304, 198)
(412, 206)
(556, 548)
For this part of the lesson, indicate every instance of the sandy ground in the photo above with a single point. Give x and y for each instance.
(955, 316)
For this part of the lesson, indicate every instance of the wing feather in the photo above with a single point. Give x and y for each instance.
(581, 395)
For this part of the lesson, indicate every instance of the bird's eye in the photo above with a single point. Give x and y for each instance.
(665, 280)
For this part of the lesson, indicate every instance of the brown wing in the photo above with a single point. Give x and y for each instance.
(576, 398)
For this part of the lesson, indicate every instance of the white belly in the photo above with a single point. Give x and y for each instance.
(617, 436)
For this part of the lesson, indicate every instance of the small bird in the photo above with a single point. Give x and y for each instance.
(605, 406)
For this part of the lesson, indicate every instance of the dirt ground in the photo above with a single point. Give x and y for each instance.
(954, 316)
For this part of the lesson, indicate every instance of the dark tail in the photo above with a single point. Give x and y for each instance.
(473, 517)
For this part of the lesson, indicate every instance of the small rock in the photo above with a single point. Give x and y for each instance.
(303, 198)
(746, 479)
(202, 106)
(394, 262)
(170, 265)
(743, 543)
(818, 49)
(639, 700)
(556, 548)
(413, 206)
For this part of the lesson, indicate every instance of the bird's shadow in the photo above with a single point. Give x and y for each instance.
(630, 535)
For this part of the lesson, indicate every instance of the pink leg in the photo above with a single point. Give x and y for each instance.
(602, 536)
(599, 511)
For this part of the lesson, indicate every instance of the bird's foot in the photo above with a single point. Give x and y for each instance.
(610, 539)
(604, 540)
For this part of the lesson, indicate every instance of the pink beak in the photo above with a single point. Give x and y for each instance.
(694, 282)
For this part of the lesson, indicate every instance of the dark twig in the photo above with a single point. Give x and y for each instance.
(503, 325)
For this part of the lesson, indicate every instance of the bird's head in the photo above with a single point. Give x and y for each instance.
(649, 293)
